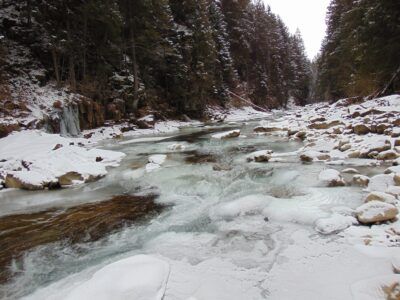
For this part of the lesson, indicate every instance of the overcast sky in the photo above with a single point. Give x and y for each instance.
(308, 16)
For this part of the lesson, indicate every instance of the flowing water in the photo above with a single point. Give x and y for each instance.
(223, 228)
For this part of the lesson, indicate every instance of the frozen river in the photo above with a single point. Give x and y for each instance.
(228, 228)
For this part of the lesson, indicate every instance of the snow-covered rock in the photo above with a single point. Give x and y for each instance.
(227, 135)
(311, 155)
(331, 178)
(334, 224)
(379, 196)
(387, 155)
(35, 160)
(260, 156)
(376, 211)
(176, 147)
(155, 162)
(361, 180)
(138, 277)
(350, 171)
(380, 182)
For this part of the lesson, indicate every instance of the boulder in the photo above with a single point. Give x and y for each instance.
(260, 156)
(69, 178)
(396, 179)
(376, 212)
(361, 129)
(361, 180)
(380, 182)
(14, 181)
(266, 129)
(301, 135)
(387, 155)
(331, 178)
(380, 196)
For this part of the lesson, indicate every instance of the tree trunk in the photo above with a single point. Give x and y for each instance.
(28, 12)
(71, 72)
(55, 64)
(135, 74)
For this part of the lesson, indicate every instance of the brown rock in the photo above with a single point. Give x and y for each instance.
(13, 182)
(67, 179)
(325, 125)
(361, 129)
(361, 180)
(376, 212)
(58, 146)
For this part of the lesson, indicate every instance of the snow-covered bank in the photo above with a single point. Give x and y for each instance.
(35, 160)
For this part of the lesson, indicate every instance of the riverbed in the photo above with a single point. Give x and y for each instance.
(228, 228)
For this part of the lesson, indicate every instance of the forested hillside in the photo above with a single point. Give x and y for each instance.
(173, 56)
(360, 54)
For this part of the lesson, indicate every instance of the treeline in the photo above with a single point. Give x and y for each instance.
(182, 54)
(360, 54)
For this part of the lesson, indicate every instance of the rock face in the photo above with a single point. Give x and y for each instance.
(331, 178)
(375, 212)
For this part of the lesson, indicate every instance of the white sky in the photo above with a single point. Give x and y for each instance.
(307, 15)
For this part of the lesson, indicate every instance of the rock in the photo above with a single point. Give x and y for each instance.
(345, 147)
(381, 128)
(301, 135)
(396, 179)
(332, 178)
(306, 158)
(375, 212)
(397, 143)
(354, 154)
(387, 155)
(361, 129)
(393, 190)
(361, 180)
(69, 178)
(227, 135)
(334, 224)
(380, 182)
(14, 181)
(266, 129)
(260, 156)
(325, 125)
(58, 146)
(99, 159)
(220, 167)
(380, 196)
(312, 155)
(351, 171)
(176, 147)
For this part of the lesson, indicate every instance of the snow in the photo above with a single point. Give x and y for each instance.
(32, 157)
(380, 183)
(139, 277)
(330, 176)
(334, 224)
(373, 288)
(155, 162)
